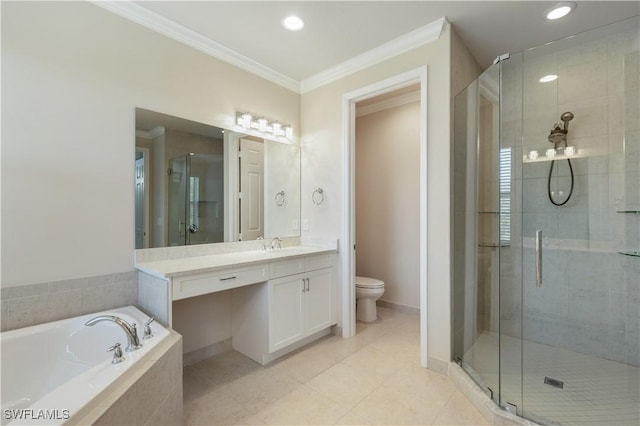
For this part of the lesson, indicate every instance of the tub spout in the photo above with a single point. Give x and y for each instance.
(130, 330)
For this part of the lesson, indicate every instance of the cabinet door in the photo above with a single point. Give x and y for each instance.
(319, 301)
(285, 311)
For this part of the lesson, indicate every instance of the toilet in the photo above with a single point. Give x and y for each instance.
(368, 290)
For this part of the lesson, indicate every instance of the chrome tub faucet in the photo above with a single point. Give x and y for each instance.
(130, 330)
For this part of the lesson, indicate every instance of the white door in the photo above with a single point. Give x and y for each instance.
(318, 301)
(142, 234)
(285, 311)
(251, 190)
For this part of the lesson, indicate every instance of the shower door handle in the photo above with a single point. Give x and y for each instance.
(538, 258)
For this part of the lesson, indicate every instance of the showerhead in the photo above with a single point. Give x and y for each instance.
(559, 132)
(566, 117)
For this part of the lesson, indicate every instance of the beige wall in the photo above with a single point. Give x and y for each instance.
(387, 201)
(322, 166)
(464, 68)
(72, 75)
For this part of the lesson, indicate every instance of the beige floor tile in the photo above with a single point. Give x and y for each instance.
(345, 384)
(386, 407)
(260, 388)
(213, 408)
(376, 363)
(304, 406)
(396, 345)
(352, 419)
(412, 395)
(302, 366)
(372, 378)
(225, 367)
(459, 411)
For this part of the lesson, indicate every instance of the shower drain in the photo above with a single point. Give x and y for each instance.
(554, 382)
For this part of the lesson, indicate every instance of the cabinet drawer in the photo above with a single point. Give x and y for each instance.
(202, 284)
(286, 267)
(318, 261)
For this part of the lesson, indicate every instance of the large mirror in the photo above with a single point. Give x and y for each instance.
(200, 184)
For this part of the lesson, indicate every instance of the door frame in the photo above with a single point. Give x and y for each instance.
(146, 153)
(347, 256)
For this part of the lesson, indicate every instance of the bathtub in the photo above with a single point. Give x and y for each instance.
(52, 372)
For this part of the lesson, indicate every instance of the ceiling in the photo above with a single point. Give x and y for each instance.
(336, 31)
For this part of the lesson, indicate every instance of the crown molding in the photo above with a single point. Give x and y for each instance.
(143, 134)
(151, 134)
(416, 38)
(156, 22)
(394, 102)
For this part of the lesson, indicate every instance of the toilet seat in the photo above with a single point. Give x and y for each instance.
(365, 282)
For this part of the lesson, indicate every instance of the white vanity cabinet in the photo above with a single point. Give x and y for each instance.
(295, 307)
(280, 299)
(299, 306)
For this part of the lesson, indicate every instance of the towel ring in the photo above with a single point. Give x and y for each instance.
(280, 198)
(318, 196)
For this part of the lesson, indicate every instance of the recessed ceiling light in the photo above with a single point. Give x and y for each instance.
(560, 10)
(293, 23)
(548, 78)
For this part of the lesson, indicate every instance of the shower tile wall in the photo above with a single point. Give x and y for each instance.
(590, 297)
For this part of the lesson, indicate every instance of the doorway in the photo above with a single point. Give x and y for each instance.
(348, 257)
(387, 203)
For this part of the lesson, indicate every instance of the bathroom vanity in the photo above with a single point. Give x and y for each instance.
(282, 299)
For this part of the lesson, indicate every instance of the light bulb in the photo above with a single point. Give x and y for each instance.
(288, 132)
(262, 124)
(533, 155)
(548, 78)
(550, 153)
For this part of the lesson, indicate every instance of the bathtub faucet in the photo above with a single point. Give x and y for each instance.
(130, 330)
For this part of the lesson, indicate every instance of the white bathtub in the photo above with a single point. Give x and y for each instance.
(50, 372)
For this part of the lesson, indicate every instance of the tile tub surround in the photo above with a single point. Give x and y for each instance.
(27, 305)
(372, 378)
(150, 395)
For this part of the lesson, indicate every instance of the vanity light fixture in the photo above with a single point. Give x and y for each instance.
(533, 155)
(570, 150)
(293, 23)
(262, 125)
(550, 153)
(547, 78)
(560, 10)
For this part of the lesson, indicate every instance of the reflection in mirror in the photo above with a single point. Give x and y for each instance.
(199, 184)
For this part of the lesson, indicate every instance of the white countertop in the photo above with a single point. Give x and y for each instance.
(210, 263)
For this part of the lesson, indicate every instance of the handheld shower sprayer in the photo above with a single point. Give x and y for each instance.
(558, 137)
(559, 132)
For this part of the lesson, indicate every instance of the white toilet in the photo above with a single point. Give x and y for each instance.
(368, 290)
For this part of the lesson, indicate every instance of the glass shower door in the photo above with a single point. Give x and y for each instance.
(196, 200)
(177, 199)
(477, 231)
(579, 174)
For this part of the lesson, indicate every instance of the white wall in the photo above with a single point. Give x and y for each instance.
(388, 201)
(72, 75)
(322, 166)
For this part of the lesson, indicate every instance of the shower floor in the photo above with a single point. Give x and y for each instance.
(596, 391)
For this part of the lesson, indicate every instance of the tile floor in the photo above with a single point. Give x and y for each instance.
(596, 391)
(372, 378)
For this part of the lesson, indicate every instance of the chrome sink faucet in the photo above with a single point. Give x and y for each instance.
(278, 241)
(133, 342)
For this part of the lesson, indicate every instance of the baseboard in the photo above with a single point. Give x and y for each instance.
(398, 307)
(438, 366)
(206, 352)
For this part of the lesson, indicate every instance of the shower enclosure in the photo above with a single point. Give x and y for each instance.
(547, 259)
(196, 199)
